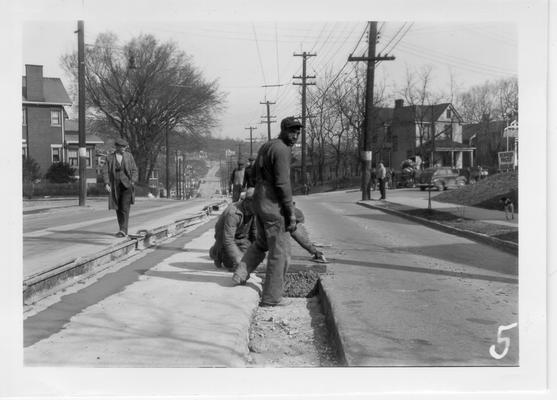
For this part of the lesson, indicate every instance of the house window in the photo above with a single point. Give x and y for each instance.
(24, 116)
(448, 113)
(72, 158)
(55, 118)
(389, 134)
(448, 130)
(56, 154)
(89, 158)
(395, 143)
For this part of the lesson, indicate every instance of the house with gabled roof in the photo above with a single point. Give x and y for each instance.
(47, 135)
(488, 137)
(433, 132)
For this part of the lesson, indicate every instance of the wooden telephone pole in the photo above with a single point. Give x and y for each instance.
(368, 125)
(251, 128)
(304, 83)
(268, 117)
(81, 111)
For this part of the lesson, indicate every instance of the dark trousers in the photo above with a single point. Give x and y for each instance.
(123, 210)
(271, 237)
(382, 187)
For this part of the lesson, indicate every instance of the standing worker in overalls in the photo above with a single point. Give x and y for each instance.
(275, 214)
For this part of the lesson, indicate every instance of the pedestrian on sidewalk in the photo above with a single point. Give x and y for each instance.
(234, 233)
(120, 176)
(381, 176)
(237, 180)
(275, 216)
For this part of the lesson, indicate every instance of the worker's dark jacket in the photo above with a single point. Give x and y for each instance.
(234, 232)
(115, 174)
(273, 193)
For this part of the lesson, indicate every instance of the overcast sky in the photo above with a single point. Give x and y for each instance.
(245, 56)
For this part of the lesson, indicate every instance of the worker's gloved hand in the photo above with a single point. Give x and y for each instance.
(291, 224)
(107, 188)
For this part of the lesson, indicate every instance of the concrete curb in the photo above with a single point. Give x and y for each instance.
(332, 323)
(504, 245)
(43, 283)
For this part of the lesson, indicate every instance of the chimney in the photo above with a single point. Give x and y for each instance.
(34, 82)
(399, 103)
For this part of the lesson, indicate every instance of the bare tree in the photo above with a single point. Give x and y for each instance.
(144, 91)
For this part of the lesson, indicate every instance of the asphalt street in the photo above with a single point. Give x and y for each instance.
(408, 295)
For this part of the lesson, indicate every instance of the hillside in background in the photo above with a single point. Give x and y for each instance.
(485, 193)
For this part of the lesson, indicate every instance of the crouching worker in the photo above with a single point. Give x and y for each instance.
(234, 232)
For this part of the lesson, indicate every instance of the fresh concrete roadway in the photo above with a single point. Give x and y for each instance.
(62, 234)
(406, 295)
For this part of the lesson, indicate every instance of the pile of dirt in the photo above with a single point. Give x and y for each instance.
(485, 193)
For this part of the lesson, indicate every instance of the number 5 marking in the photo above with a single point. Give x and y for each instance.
(502, 339)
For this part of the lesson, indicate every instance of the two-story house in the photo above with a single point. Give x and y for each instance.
(433, 132)
(488, 138)
(47, 135)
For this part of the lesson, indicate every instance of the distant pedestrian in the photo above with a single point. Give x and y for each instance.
(234, 233)
(249, 174)
(381, 175)
(120, 176)
(237, 180)
(373, 179)
(508, 207)
(275, 216)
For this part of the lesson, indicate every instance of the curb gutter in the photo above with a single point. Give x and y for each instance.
(504, 245)
(41, 284)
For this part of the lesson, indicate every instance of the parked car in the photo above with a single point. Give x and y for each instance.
(441, 178)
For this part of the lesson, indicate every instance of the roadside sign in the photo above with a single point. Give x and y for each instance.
(507, 159)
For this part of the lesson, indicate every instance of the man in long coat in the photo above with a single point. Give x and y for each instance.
(120, 175)
(275, 214)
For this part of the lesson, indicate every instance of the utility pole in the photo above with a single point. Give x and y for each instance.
(81, 111)
(251, 128)
(304, 83)
(268, 117)
(368, 125)
(167, 164)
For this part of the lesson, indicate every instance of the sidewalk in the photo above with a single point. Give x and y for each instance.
(168, 308)
(487, 226)
(475, 213)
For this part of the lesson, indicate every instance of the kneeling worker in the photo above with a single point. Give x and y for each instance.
(234, 232)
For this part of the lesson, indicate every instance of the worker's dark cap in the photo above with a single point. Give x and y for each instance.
(290, 122)
(121, 142)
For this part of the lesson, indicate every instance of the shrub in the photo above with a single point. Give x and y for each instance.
(31, 171)
(60, 173)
